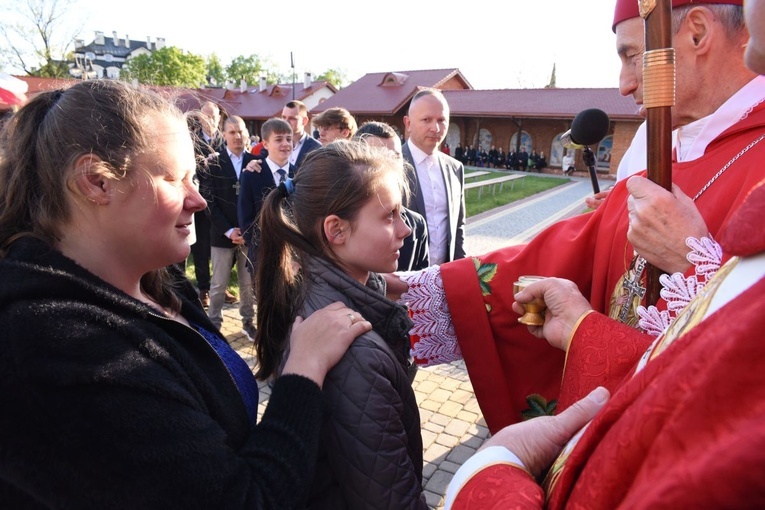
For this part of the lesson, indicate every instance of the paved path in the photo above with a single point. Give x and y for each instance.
(452, 424)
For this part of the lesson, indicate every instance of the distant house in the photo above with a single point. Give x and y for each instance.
(254, 104)
(105, 56)
(257, 104)
(533, 119)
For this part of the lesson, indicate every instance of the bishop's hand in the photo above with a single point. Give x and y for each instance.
(660, 222)
(565, 305)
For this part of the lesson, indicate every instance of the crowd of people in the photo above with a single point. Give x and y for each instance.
(497, 158)
(118, 388)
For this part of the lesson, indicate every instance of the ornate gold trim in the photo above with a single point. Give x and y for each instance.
(646, 7)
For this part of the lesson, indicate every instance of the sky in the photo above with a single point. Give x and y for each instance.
(496, 44)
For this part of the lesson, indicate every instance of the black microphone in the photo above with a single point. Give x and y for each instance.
(588, 128)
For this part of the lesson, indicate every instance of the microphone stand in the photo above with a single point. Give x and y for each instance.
(589, 159)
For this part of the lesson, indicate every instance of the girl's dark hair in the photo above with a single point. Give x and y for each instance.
(41, 142)
(339, 179)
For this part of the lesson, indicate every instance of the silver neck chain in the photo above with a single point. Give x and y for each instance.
(725, 167)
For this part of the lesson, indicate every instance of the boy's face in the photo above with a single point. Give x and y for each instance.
(279, 146)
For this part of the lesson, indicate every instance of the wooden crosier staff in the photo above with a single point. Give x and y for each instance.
(658, 100)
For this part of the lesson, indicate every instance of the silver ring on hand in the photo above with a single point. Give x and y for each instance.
(353, 319)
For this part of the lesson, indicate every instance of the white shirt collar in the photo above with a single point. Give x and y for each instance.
(418, 155)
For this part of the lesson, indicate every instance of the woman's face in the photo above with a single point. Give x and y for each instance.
(154, 207)
(374, 238)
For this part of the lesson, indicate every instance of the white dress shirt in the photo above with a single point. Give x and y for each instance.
(275, 169)
(296, 149)
(236, 161)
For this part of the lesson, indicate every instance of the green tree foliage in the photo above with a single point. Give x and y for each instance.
(336, 77)
(33, 37)
(251, 68)
(168, 66)
(216, 74)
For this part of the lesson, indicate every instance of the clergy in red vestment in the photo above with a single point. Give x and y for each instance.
(724, 123)
(684, 428)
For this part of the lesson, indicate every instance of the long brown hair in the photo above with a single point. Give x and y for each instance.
(41, 142)
(337, 179)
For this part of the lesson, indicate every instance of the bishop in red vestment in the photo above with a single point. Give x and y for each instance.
(504, 361)
(685, 428)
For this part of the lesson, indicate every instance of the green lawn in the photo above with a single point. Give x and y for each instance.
(512, 191)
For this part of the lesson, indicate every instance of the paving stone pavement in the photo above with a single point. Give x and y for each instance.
(453, 427)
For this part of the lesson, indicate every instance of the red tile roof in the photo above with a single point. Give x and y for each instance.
(254, 104)
(539, 103)
(387, 92)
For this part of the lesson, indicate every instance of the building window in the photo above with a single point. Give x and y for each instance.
(526, 141)
(556, 151)
(453, 136)
(604, 154)
(484, 139)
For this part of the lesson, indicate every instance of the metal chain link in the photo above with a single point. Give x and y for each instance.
(728, 164)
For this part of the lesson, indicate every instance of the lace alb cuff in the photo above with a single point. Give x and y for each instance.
(677, 290)
(433, 339)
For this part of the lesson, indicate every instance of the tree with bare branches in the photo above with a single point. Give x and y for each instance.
(35, 38)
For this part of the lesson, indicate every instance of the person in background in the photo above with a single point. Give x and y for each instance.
(567, 162)
(493, 157)
(541, 162)
(512, 160)
(436, 180)
(296, 113)
(501, 158)
(333, 124)
(459, 154)
(228, 244)
(523, 159)
(207, 141)
(325, 237)
(116, 389)
(277, 138)
(255, 145)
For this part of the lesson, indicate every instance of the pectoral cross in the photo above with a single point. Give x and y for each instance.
(632, 288)
(236, 187)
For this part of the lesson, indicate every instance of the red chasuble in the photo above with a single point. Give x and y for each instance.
(505, 362)
(687, 431)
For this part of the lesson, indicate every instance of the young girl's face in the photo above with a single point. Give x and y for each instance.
(374, 238)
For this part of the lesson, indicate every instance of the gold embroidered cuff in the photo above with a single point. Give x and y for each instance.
(576, 326)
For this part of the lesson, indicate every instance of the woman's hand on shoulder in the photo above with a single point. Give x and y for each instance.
(318, 343)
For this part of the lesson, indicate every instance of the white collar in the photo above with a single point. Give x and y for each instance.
(696, 136)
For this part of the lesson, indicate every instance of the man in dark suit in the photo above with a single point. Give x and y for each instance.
(296, 113)
(523, 159)
(436, 181)
(226, 238)
(277, 138)
(207, 140)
